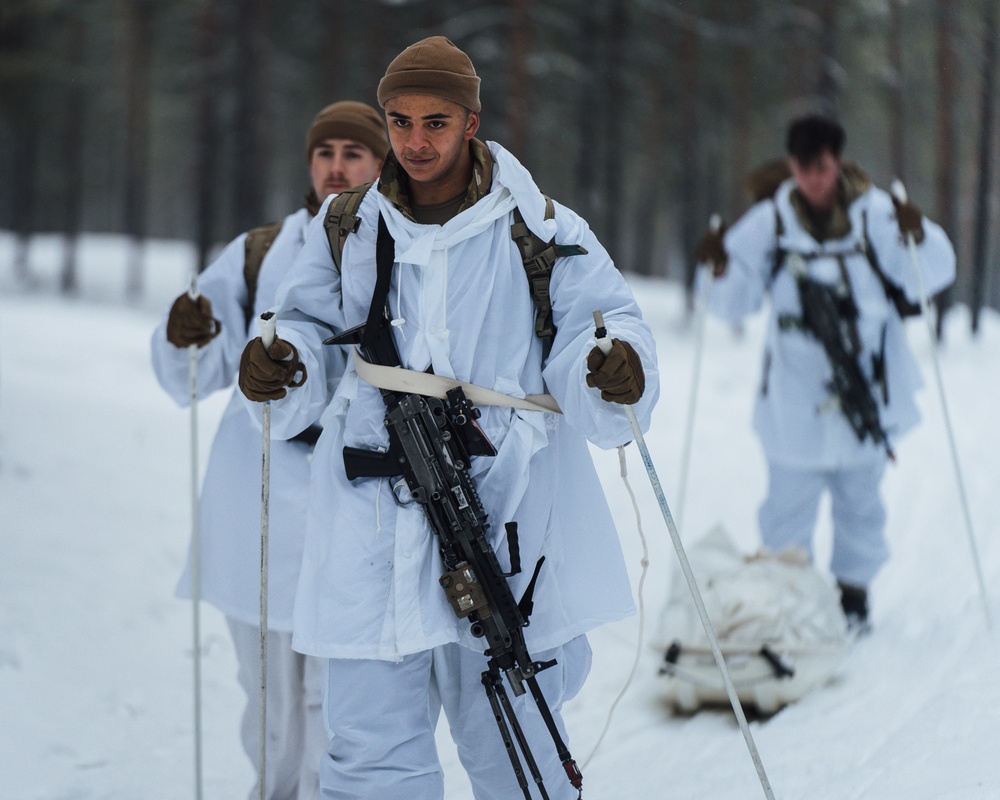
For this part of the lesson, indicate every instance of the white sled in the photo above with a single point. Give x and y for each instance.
(778, 621)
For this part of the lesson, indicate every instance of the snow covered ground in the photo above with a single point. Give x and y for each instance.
(95, 653)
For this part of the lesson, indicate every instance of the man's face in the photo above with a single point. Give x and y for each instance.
(429, 137)
(340, 164)
(818, 179)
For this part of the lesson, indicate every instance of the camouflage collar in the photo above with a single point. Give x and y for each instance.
(394, 182)
(835, 224)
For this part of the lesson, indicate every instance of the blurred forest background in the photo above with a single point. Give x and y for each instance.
(185, 119)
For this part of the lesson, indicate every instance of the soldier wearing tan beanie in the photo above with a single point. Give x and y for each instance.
(430, 256)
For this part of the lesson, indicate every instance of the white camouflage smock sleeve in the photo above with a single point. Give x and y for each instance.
(581, 285)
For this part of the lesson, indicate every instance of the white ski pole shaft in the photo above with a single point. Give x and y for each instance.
(604, 343)
(701, 313)
(899, 191)
(195, 551)
(267, 325)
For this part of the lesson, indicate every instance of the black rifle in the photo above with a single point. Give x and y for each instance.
(431, 445)
(831, 316)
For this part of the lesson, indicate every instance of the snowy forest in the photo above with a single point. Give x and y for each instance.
(184, 119)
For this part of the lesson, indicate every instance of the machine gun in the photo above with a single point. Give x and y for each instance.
(831, 316)
(431, 445)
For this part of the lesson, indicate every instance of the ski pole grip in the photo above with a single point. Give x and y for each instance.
(601, 333)
(267, 322)
(898, 191)
(715, 223)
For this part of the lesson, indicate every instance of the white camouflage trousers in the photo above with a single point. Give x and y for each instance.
(788, 516)
(383, 714)
(296, 738)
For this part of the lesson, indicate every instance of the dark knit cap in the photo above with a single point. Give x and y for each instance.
(434, 67)
(348, 119)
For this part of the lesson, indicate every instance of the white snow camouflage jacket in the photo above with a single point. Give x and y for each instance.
(230, 500)
(797, 424)
(369, 585)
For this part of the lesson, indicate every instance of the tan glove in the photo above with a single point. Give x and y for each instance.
(910, 220)
(191, 322)
(618, 375)
(711, 250)
(264, 374)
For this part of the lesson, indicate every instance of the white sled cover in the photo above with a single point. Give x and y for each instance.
(777, 618)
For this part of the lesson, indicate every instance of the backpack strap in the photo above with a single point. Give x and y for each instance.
(342, 218)
(539, 259)
(892, 291)
(255, 247)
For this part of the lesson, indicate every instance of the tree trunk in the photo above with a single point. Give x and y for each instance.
(138, 43)
(589, 105)
(946, 137)
(988, 112)
(897, 91)
(614, 145)
(73, 139)
(691, 215)
(827, 82)
(518, 80)
(206, 49)
(249, 164)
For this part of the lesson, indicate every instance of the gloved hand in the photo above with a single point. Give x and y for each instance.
(264, 374)
(618, 375)
(711, 250)
(191, 322)
(910, 220)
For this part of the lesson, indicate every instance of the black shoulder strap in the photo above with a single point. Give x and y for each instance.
(255, 247)
(342, 218)
(779, 252)
(539, 259)
(895, 294)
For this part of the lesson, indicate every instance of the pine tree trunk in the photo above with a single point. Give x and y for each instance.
(985, 172)
(897, 91)
(73, 139)
(518, 80)
(206, 199)
(946, 137)
(249, 165)
(138, 43)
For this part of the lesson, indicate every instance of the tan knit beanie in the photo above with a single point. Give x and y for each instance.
(349, 120)
(433, 67)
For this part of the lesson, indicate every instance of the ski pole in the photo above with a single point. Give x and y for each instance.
(267, 325)
(604, 343)
(899, 192)
(195, 549)
(701, 313)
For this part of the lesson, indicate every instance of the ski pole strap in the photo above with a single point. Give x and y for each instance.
(408, 381)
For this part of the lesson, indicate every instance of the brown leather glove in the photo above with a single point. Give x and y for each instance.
(910, 220)
(618, 375)
(265, 374)
(191, 322)
(711, 250)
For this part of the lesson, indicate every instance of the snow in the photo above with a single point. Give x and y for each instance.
(95, 652)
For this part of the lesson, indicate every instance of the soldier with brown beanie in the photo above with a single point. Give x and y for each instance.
(448, 216)
(345, 145)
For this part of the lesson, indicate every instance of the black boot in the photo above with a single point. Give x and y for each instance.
(854, 601)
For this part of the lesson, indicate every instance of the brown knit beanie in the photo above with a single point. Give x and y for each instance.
(433, 67)
(348, 119)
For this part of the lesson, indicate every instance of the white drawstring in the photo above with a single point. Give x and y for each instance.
(640, 603)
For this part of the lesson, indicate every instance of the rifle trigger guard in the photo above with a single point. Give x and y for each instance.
(395, 486)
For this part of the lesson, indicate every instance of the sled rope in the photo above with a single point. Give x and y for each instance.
(642, 609)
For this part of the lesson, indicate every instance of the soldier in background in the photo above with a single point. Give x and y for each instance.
(826, 230)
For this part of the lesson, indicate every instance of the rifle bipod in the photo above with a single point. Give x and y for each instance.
(503, 713)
